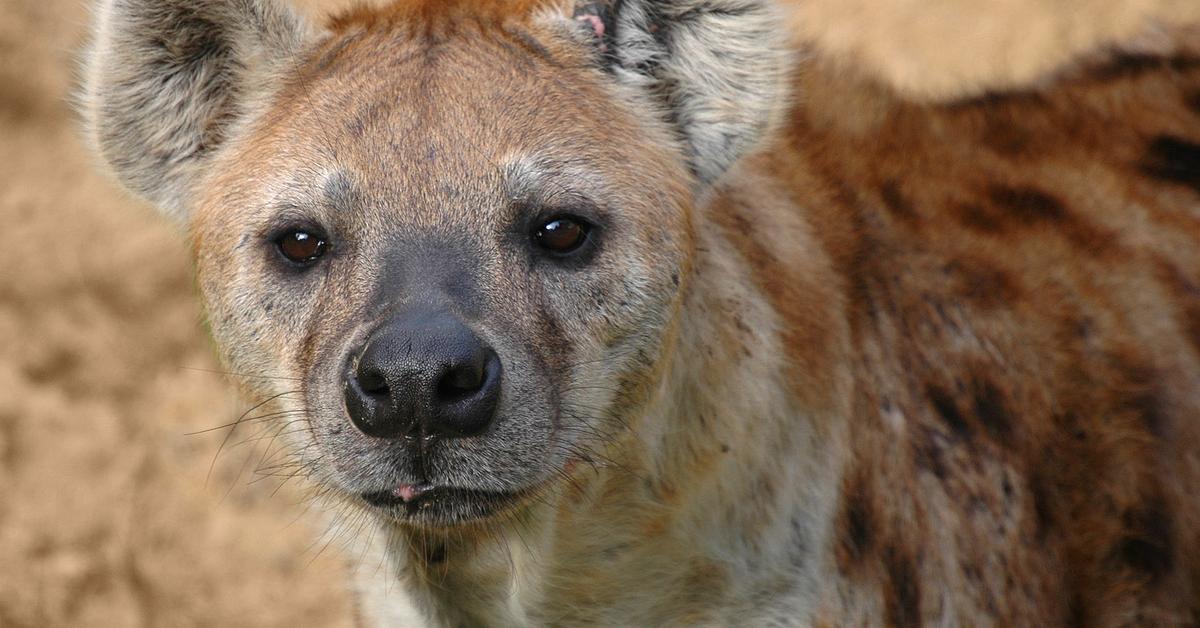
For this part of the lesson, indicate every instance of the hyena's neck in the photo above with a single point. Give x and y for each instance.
(740, 455)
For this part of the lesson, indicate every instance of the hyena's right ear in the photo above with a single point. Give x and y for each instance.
(166, 80)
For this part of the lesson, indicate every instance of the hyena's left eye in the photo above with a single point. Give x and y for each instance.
(562, 236)
(302, 246)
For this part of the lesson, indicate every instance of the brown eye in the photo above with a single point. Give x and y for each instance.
(561, 235)
(301, 247)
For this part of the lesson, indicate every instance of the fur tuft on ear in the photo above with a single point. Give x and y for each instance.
(718, 68)
(165, 80)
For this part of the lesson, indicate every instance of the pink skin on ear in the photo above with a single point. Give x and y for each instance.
(597, 25)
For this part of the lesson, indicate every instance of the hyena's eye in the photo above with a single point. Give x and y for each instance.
(563, 235)
(301, 246)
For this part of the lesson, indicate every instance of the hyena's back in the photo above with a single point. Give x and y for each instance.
(1022, 277)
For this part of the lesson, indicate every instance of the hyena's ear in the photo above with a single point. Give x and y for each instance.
(718, 68)
(166, 80)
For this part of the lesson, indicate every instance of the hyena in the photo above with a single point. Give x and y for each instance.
(638, 313)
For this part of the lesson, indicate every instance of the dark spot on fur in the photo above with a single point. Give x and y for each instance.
(692, 15)
(999, 99)
(308, 350)
(531, 45)
(367, 117)
(945, 406)
(971, 572)
(857, 267)
(1131, 65)
(1187, 293)
(1043, 502)
(978, 217)
(896, 202)
(1006, 136)
(902, 599)
(1174, 160)
(1194, 101)
(1077, 612)
(331, 57)
(1128, 65)
(192, 39)
(983, 282)
(927, 453)
(340, 194)
(1143, 399)
(1028, 205)
(1147, 546)
(991, 410)
(857, 522)
(1083, 327)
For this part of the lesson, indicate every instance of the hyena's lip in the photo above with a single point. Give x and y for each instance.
(441, 506)
(402, 494)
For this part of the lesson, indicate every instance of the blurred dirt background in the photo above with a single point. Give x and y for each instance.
(106, 517)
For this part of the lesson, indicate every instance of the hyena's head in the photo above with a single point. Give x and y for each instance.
(453, 235)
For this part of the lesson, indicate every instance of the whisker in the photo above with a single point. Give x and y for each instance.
(241, 375)
(225, 440)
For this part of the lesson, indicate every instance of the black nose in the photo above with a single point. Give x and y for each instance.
(423, 373)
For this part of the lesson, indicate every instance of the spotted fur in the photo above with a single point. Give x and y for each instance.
(839, 358)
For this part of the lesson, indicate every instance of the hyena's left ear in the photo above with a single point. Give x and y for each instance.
(718, 68)
(166, 81)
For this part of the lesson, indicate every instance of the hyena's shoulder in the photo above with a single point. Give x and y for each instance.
(1022, 276)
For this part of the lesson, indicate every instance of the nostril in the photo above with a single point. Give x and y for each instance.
(462, 381)
(372, 382)
(467, 397)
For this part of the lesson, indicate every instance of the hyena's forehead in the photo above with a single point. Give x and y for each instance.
(444, 122)
(478, 88)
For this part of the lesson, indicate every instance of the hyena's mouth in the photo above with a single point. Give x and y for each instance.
(445, 506)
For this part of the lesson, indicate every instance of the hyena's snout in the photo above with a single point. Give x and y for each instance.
(423, 373)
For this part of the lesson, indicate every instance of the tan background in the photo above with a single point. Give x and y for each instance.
(105, 515)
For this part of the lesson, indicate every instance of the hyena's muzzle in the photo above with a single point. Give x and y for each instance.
(429, 401)
(421, 376)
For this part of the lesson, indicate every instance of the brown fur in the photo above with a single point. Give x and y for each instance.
(1020, 273)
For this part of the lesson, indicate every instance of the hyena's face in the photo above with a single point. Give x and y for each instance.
(453, 244)
(463, 256)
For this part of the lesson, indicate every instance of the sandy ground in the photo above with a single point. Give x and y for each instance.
(106, 518)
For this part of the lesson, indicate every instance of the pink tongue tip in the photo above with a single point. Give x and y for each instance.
(409, 492)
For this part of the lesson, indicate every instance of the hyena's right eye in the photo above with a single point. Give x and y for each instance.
(562, 236)
(302, 246)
